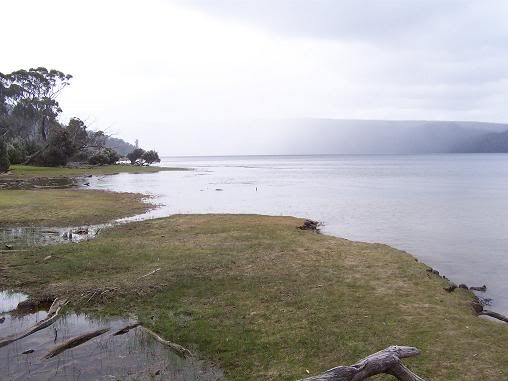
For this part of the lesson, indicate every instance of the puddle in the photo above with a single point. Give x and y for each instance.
(20, 237)
(40, 183)
(134, 355)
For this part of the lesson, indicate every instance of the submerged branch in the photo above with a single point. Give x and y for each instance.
(53, 315)
(74, 342)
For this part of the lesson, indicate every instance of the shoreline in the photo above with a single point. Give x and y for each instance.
(388, 285)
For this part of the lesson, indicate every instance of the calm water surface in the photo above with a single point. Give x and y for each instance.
(451, 211)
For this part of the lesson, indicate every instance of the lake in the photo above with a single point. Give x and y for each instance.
(450, 211)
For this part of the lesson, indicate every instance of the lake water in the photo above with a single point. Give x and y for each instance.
(450, 211)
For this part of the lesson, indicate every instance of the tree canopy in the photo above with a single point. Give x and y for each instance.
(31, 133)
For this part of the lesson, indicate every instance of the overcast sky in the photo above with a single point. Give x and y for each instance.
(180, 75)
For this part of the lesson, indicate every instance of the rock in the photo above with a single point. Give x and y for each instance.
(477, 306)
(310, 225)
(9, 247)
(81, 231)
(451, 288)
(2, 319)
(462, 285)
(481, 288)
(28, 351)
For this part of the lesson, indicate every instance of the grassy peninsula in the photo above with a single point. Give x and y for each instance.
(29, 171)
(267, 301)
(64, 207)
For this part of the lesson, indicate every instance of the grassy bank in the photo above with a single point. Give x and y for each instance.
(28, 171)
(268, 301)
(64, 207)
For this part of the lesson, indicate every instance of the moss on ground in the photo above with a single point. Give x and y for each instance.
(64, 207)
(265, 300)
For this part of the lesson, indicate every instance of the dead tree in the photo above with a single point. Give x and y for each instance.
(386, 361)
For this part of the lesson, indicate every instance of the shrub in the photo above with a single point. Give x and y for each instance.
(60, 149)
(151, 157)
(135, 155)
(17, 152)
(104, 157)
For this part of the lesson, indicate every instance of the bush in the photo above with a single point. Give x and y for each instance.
(60, 149)
(135, 155)
(104, 157)
(17, 152)
(4, 157)
(151, 157)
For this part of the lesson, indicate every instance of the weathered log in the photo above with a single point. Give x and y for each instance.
(50, 319)
(74, 342)
(178, 349)
(494, 315)
(126, 329)
(386, 361)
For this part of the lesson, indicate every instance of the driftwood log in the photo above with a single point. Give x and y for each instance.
(386, 361)
(494, 315)
(74, 342)
(53, 315)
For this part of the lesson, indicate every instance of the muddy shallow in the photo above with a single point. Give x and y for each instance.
(24, 236)
(131, 356)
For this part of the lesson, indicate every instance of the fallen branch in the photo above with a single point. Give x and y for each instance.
(74, 342)
(184, 352)
(126, 329)
(494, 315)
(386, 361)
(53, 315)
(150, 273)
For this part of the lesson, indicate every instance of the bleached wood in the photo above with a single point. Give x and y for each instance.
(386, 361)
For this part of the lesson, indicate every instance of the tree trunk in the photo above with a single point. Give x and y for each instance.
(386, 361)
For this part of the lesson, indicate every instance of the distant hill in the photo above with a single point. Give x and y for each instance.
(330, 136)
(495, 142)
(119, 145)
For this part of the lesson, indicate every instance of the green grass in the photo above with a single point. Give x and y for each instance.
(267, 301)
(28, 171)
(64, 207)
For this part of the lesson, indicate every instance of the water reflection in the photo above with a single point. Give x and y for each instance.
(134, 355)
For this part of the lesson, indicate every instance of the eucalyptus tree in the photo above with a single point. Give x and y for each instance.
(29, 103)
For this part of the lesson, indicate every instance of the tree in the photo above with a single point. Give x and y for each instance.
(29, 96)
(151, 157)
(4, 157)
(135, 155)
(59, 149)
